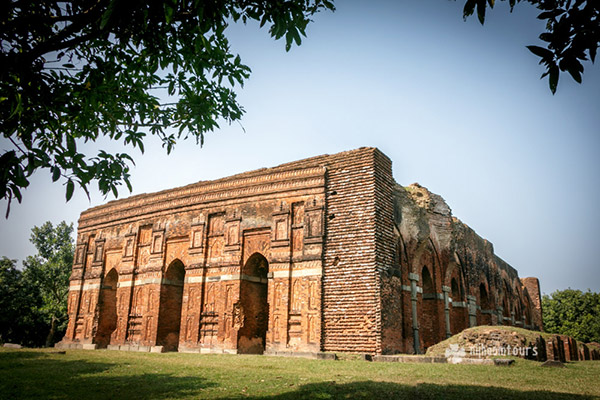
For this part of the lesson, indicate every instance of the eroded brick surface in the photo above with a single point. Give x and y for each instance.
(322, 254)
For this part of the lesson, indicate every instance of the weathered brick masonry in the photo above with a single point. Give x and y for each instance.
(322, 254)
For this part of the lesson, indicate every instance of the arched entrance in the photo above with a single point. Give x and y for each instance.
(169, 315)
(107, 321)
(254, 305)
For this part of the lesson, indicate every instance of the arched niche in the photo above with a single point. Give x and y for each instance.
(254, 305)
(169, 315)
(107, 318)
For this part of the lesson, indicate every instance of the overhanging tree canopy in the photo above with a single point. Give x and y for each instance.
(74, 71)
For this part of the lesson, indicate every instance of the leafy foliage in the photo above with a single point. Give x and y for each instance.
(33, 302)
(574, 313)
(572, 34)
(75, 72)
(19, 321)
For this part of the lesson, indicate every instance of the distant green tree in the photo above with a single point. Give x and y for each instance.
(19, 300)
(574, 313)
(10, 278)
(49, 272)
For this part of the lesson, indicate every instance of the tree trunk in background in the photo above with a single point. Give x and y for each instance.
(50, 337)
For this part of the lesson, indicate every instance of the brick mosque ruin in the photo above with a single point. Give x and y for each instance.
(323, 254)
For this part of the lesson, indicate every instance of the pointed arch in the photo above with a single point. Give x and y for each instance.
(428, 308)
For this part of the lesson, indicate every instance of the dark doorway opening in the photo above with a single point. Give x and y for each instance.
(484, 303)
(169, 315)
(107, 321)
(429, 318)
(254, 305)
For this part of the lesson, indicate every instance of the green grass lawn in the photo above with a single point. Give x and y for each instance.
(102, 374)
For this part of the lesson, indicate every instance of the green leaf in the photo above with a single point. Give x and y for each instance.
(288, 41)
(553, 80)
(469, 8)
(55, 173)
(264, 20)
(107, 14)
(71, 144)
(541, 52)
(551, 14)
(481, 5)
(296, 36)
(169, 11)
(70, 188)
(17, 193)
(575, 73)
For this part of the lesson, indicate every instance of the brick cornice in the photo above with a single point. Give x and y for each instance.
(203, 193)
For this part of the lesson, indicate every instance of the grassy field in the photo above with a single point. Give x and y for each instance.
(102, 374)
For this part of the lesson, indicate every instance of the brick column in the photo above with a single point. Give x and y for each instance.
(500, 311)
(414, 278)
(472, 308)
(446, 290)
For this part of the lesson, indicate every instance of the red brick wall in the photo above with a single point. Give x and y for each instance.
(351, 306)
(533, 288)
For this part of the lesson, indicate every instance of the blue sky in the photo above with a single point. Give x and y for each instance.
(458, 108)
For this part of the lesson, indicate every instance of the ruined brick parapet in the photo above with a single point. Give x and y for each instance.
(533, 289)
(447, 277)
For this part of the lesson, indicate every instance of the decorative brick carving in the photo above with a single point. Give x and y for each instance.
(197, 235)
(313, 231)
(232, 232)
(80, 254)
(99, 251)
(281, 226)
(158, 239)
(129, 246)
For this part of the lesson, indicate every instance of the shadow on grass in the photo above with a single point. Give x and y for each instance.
(39, 375)
(393, 391)
(34, 375)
